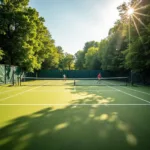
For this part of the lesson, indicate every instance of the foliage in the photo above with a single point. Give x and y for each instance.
(23, 37)
(127, 46)
(68, 62)
(79, 60)
(1, 54)
(91, 59)
(138, 52)
(26, 42)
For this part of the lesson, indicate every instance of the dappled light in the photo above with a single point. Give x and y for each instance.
(26, 137)
(97, 98)
(82, 124)
(36, 115)
(122, 126)
(60, 126)
(90, 118)
(131, 139)
(44, 132)
(101, 117)
(19, 127)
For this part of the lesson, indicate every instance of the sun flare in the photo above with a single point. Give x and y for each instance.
(130, 11)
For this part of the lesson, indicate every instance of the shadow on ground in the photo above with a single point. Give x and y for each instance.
(80, 127)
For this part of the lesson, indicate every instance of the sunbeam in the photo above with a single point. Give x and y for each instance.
(142, 7)
(137, 29)
(137, 4)
(141, 14)
(140, 21)
(132, 13)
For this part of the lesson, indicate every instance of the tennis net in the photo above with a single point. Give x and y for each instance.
(32, 81)
(111, 81)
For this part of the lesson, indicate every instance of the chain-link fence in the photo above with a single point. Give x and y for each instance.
(9, 74)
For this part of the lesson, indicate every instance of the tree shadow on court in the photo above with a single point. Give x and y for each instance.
(85, 124)
(79, 127)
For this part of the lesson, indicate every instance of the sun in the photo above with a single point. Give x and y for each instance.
(130, 11)
(133, 14)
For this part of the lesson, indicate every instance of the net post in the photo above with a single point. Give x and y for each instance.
(74, 82)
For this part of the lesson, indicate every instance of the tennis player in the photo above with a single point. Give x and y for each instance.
(64, 76)
(99, 77)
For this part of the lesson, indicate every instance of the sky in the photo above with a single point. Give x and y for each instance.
(72, 23)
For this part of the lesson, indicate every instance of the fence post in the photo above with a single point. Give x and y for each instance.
(13, 76)
(5, 73)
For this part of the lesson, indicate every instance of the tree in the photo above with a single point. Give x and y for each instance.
(111, 50)
(80, 55)
(79, 60)
(68, 61)
(25, 40)
(137, 53)
(102, 53)
(91, 60)
(52, 61)
(61, 57)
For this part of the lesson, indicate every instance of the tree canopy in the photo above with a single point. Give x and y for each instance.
(24, 39)
(26, 42)
(127, 46)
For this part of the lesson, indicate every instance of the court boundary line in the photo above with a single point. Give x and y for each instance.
(129, 94)
(18, 88)
(20, 93)
(65, 104)
(137, 91)
(74, 90)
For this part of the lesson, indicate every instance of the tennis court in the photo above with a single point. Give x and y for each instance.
(60, 115)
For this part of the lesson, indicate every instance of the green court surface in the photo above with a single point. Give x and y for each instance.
(66, 117)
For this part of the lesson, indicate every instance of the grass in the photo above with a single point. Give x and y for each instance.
(83, 120)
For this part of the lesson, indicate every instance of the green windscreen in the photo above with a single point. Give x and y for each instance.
(2, 74)
(9, 74)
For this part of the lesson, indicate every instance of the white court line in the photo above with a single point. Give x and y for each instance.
(18, 88)
(130, 94)
(137, 91)
(74, 104)
(20, 93)
(74, 90)
(97, 90)
(51, 91)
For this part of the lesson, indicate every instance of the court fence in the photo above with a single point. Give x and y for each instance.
(9, 74)
(76, 73)
(134, 77)
(140, 78)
